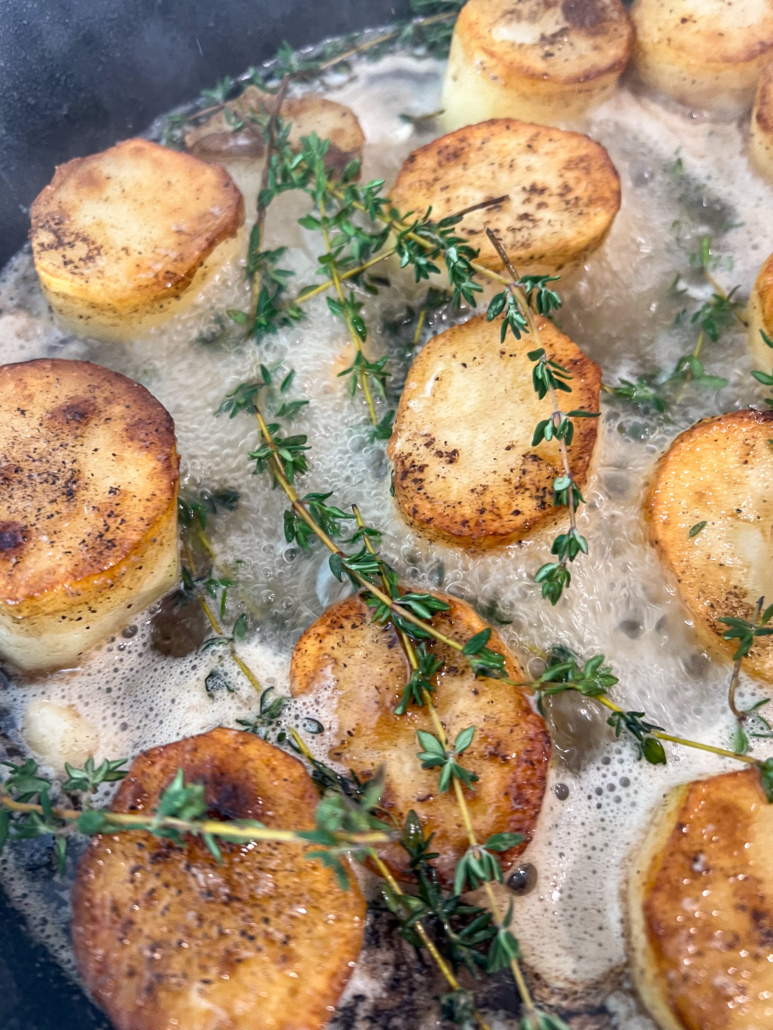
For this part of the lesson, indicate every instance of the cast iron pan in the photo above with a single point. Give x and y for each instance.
(76, 76)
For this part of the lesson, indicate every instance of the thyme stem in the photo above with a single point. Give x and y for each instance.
(336, 279)
(270, 137)
(250, 675)
(300, 508)
(233, 830)
(741, 716)
(723, 752)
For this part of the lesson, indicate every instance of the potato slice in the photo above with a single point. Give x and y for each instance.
(121, 238)
(563, 191)
(761, 317)
(465, 468)
(230, 142)
(88, 509)
(363, 667)
(700, 910)
(538, 60)
(720, 471)
(166, 937)
(705, 53)
(761, 129)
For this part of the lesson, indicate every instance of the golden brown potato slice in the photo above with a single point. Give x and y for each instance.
(563, 191)
(719, 472)
(761, 130)
(364, 667)
(166, 937)
(700, 908)
(761, 317)
(465, 468)
(705, 53)
(539, 60)
(121, 238)
(88, 508)
(228, 142)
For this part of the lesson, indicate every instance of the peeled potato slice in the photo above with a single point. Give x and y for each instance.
(761, 130)
(563, 191)
(538, 60)
(700, 907)
(705, 53)
(120, 239)
(761, 317)
(363, 667)
(88, 508)
(465, 468)
(165, 936)
(720, 471)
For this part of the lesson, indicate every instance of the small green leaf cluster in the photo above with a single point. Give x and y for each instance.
(563, 672)
(648, 747)
(478, 865)
(289, 450)
(267, 720)
(197, 508)
(327, 517)
(435, 755)
(91, 776)
(643, 391)
(420, 681)
(746, 632)
(455, 251)
(482, 659)
(340, 814)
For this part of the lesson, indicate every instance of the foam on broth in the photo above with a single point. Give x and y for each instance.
(620, 309)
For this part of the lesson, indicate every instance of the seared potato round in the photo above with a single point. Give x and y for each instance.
(761, 130)
(88, 509)
(234, 138)
(364, 667)
(719, 472)
(165, 936)
(121, 238)
(563, 191)
(538, 60)
(705, 53)
(761, 316)
(465, 468)
(700, 907)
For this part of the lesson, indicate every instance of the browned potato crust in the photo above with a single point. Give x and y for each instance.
(706, 53)
(465, 468)
(701, 910)
(365, 668)
(719, 471)
(563, 190)
(761, 316)
(167, 937)
(540, 60)
(88, 510)
(117, 236)
(217, 140)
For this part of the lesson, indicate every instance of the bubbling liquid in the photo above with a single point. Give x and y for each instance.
(620, 308)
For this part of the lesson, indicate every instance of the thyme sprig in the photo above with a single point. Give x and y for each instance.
(363, 568)
(520, 298)
(746, 631)
(593, 680)
(213, 584)
(181, 812)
